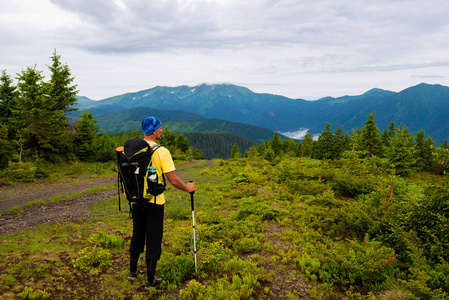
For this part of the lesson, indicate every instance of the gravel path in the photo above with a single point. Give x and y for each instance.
(73, 209)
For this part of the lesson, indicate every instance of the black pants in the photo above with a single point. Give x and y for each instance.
(148, 227)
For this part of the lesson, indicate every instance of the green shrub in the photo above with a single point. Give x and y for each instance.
(306, 186)
(429, 218)
(106, 240)
(425, 282)
(213, 256)
(16, 173)
(175, 268)
(248, 245)
(92, 257)
(352, 185)
(242, 178)
(8, 279)
(263, 210)
(225, 288)
(178, 210)
(30, 293)
(375, 214)
(364, 264)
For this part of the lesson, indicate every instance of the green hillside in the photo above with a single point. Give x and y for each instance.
(217, 145)
(131, 119)
(179, 121)
(419, 107)
(254, 133)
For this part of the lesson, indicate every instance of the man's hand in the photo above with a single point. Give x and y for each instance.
(190, 187)
(177, 183)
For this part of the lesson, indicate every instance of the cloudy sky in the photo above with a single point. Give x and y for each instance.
(295, 48)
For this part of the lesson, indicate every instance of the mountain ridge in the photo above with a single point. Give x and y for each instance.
(424, 106)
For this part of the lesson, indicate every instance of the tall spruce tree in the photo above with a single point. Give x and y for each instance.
(86, 130)
(6, 146)
(401, 154)
(307, 145)
(370, 139)
(235, 152)
(325, 147)
(61, 92)
(441, 158)
(342, 141)
(7, 103)
(61, 89)
(276, 144)
(290, 147)
(182, 143)
(7, 98)
(424, 146)
(31, 114)
(168, 139)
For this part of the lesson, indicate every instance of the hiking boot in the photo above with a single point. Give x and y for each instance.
(132, 275)
(156, 282)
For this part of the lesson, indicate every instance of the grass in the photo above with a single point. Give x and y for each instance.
(257, 238)
(195, 166)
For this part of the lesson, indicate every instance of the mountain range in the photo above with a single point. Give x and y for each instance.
(423, 106)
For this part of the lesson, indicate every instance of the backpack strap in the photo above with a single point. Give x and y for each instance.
(118, 151)
(153, 149)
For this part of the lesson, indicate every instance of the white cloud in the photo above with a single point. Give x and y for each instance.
(300, 49)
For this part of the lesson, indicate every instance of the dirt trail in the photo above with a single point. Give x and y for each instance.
(67, 209)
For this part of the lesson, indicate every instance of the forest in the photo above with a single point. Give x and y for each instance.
(360, 215)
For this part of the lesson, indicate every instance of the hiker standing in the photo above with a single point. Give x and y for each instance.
(148, 216)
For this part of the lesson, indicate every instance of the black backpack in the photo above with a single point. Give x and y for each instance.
(134, 172)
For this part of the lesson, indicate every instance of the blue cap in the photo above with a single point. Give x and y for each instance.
(150, 125)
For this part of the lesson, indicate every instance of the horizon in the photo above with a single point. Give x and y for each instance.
(297, 49)
(212, 84)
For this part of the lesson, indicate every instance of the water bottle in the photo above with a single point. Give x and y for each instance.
(152, 173)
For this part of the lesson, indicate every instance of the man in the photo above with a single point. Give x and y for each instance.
(148, 218)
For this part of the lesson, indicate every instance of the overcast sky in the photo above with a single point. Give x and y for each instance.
(295, 48)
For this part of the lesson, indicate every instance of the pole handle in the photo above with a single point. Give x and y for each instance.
(191, 197)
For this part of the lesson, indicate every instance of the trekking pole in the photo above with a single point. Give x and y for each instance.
(193, 226)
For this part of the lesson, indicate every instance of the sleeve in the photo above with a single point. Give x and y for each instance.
(166, 160)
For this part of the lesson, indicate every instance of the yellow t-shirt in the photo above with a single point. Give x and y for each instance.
(163, 162)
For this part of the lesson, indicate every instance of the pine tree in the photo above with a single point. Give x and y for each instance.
(7, 103)
(235, 152)
(370, 136)
(342, 141)
(7, 98)
(276, 144)
(387, 135)
(31, 114)
(168, 139)
(182, 143)
(6, 147)
(86, 130)
(325, 147)
(61, 88)
(307, 145)
(401, 154)
(290, 147)
(441, 158)
(101, 146)
(423, 146)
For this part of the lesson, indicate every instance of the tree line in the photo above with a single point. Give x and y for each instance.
(35, 124)
(396, 148)
(217, 145)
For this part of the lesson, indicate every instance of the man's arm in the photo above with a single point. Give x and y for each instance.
(179, 184)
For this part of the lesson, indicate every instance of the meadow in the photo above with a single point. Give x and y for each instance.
(289, 228)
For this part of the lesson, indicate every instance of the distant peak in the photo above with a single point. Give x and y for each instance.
(376, 91)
